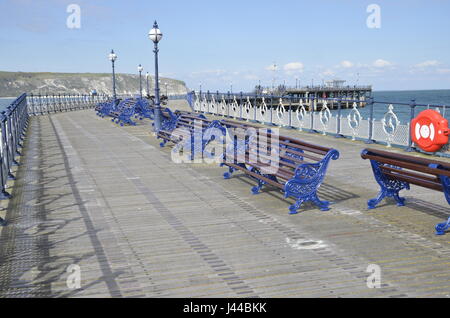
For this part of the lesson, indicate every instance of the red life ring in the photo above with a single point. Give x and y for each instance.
(429, 130)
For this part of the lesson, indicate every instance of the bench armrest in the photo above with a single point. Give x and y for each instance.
(307, 172)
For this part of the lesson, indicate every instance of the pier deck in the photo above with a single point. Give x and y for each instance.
(108, 199)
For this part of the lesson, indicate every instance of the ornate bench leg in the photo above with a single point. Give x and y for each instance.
(261, 183)
(293, 208)
(163, 143)
(389, 188)
(227, 175)
(372, 203)
(385, 192)
(400, 200)
(256, 189)
(442, 227)
(323, 205)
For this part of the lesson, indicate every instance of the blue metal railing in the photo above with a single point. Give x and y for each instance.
(13, 125)
(46, 104)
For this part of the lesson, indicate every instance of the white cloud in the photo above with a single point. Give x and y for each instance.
(327, 73)
(272, 67)
(346, 64)
(294, 67)
(444, 71)
(427, 63)
(381, 63)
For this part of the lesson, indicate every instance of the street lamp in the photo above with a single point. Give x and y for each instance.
(113, 57)
(155, 35)
(147, 76)
(140, 69)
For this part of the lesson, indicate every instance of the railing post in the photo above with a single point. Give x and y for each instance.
(311, 110)
(6, 151)
(11, 135)
(228, 104)
(59, 103)
(40, 104)
(255, 104)
(289, 126)
(65, 102)
(4, 164)
(200, 100)
(32, 104)
(338, 123)
(47, 105)
(217, 101)
(54, 103)
(412, 105)
(240, 106)
(370, 138)
(271, 109)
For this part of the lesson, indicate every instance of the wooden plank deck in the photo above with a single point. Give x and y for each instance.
(109, 200)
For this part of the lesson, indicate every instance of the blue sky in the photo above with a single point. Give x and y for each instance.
(224, 43)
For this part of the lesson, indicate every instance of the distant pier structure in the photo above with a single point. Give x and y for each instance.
(332, 89)
(312, 98)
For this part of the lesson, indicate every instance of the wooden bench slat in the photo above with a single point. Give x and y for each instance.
(306, 155)
(411, 174)
(258, 176)
(408, 165)
(411, 159)
(282, 172)
(420, 182)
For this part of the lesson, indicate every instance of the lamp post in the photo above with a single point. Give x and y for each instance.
(155, 35)
(147, 76)
(113, 57)
(140, 69)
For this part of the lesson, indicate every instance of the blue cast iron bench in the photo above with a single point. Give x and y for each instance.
(144, 109)
(103, 109)
(181, 122)
(395, 172)
(194, 127)
(301, 166)
(123, 113)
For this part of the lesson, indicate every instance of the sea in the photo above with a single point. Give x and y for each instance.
(425, 97)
